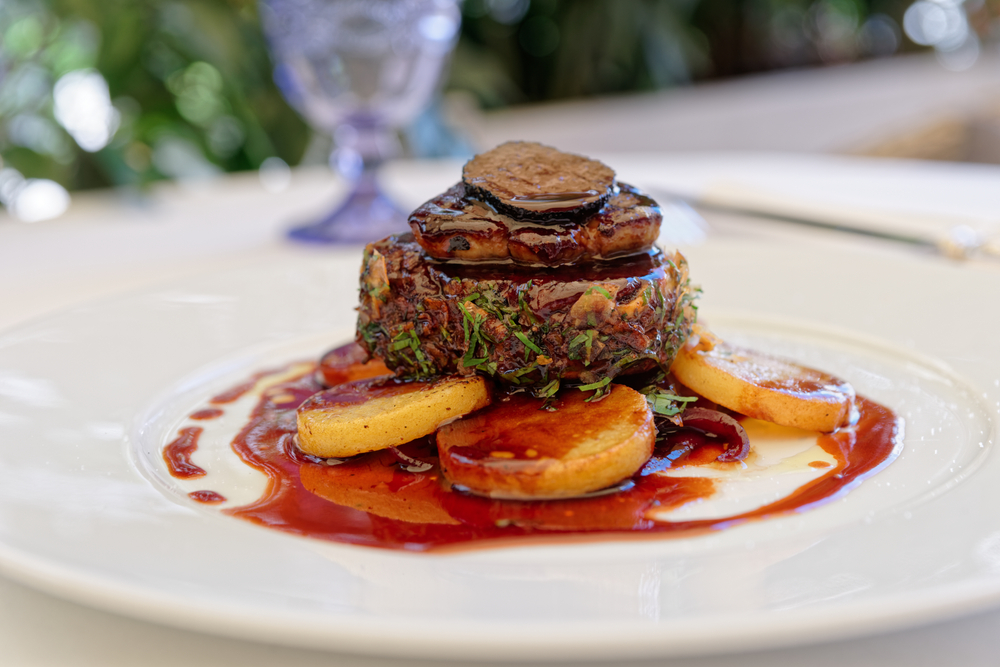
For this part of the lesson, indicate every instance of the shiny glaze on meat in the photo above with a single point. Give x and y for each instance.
(521, 325)
(455, 226)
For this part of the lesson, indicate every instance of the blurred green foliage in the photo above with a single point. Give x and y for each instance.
(192, 93)
(515, 51)
(191, 80)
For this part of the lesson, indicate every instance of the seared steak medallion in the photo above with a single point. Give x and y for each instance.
(529, 327)
(458, 225)
(534, 182)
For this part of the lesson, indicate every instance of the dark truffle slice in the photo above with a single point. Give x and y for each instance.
(529, 181)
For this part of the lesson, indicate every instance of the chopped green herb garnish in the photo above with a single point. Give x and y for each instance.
(600, 388)
(594, 385)
(527, 342)
(597, 288)
(664, 403)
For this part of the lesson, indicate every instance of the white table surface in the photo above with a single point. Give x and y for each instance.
(109, 243)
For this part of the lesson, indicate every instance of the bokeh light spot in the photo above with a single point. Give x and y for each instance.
(24, 37)
(82, 105)
(438, 27)
(198, 92)
(40, 199)
(275, 174)
(940, 24)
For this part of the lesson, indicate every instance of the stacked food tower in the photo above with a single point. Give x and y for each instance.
(532, 329)
(522, 292)
(538, 269)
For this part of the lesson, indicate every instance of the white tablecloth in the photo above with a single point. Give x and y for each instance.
(109, 243)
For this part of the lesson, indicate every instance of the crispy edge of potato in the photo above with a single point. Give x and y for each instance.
(589, 466)
(699, 367)
(388, 421)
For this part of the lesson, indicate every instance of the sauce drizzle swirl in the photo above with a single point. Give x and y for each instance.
(382, 500)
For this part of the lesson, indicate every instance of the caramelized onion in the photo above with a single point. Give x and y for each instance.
(723, 426)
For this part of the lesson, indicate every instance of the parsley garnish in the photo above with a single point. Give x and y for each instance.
(664, 403)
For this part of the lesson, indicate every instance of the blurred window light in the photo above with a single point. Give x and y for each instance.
(32, 199)
(275, 174)
(82, 105)
(438, 27)
(940, 24)
(40, 199)
(508, 12)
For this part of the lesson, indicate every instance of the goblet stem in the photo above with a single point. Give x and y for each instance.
(367, 214)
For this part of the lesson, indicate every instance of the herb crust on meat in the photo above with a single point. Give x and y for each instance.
(524, 327)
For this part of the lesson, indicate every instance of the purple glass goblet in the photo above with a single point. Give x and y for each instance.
(359, 69)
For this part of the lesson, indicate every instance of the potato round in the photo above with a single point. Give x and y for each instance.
(761, 386)
(369, 415)
(515, 449)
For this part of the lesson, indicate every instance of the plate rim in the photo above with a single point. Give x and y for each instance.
(947, 601)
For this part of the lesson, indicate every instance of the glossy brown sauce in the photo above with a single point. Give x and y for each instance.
(647, 265)
(347, 363)
(513, 427)
(177, 454)
(236, 393)
(573, 227)
(554, 201)
(207, 413)
(207, 497)
(352, 393)
(383, 500)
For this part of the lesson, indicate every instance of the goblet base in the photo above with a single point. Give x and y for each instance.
(366, 215)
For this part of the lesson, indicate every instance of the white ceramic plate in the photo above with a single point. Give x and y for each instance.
(86, 396)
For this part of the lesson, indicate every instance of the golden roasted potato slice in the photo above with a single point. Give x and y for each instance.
(368, 415)
(761, 386)
(516, 449)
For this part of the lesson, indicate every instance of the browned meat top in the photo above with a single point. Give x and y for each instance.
(454, 225)
(533, 181)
